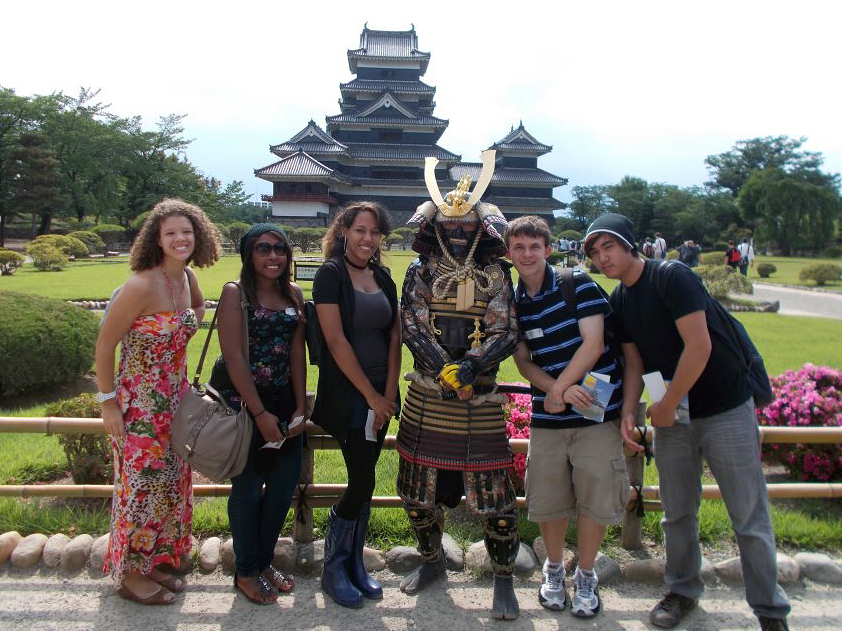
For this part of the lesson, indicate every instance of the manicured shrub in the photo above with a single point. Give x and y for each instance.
(70, 246)
(46, 257)
(89, 457)
(137, 222)
(574, 235)
(112, 234)
(235, 231)
(833, 251)
(720, 280)
(720, 245)
(712, 258)
(810, 397)
(821, 273)
(672, 254)
(10, 261)
(43, 342)
(393, 240)
(517, 412)
(764, 270)
(91, 239)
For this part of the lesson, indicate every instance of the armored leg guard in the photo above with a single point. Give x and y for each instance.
(356, 567)
(338, 544)
(428, 525)
(502, 543)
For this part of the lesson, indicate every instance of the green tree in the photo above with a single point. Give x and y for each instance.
(634, 199)
(790, 213)
(589, 203)
(36, 183)
(732, 169)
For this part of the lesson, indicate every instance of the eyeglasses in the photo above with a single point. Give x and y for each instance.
(264, 248)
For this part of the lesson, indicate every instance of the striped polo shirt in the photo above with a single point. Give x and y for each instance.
(551, 332)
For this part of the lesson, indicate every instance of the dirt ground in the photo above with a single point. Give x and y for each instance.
(43, 599)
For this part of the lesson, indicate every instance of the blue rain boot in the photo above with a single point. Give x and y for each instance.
(356, 566)
(338, 548)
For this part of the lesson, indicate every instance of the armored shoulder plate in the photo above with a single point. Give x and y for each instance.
(495, 276)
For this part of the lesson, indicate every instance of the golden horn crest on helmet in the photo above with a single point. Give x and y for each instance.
(455, 204)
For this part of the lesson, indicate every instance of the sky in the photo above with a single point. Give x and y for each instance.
(647, 89)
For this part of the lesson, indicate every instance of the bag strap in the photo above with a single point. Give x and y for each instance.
(244, 303)
(568, 288)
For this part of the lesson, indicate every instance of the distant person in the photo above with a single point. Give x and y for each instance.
(746, 250)
(732, 256)
(563, 244)
(154, 315)
(694, 253)
(660, 246)
(667, 322)
(684, 252)
(648, 248)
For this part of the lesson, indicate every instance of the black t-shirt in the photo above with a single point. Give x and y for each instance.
(649, 322)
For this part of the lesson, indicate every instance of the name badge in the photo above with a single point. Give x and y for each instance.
(290, 311)
(534, 334)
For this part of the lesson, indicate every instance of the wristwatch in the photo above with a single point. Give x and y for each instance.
(101, 397)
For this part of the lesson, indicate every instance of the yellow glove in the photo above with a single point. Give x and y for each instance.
(448, 375)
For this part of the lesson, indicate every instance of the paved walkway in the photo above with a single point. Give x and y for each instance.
(42, 599)
(800, 301)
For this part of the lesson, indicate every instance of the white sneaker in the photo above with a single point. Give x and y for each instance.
(586, 603)
(552, 594)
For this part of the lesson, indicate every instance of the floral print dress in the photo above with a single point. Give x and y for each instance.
(152, 507)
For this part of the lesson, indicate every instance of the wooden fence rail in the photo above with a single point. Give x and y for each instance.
(310, 495)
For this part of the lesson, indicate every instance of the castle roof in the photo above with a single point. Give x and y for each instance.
(299, 166)
(520, 141)
(507, 175)
(312, 139)
(388, 46)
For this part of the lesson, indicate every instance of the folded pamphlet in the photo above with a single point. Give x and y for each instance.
(657, 387)
(600, 388)
(370, 434)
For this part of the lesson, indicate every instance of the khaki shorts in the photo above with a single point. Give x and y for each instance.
(575, 470)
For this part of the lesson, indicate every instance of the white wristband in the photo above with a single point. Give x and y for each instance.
(102, 397)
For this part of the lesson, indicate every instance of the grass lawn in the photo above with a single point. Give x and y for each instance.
(786, 342)
(788, 269)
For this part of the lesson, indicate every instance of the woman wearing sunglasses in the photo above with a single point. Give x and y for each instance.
(272, 385)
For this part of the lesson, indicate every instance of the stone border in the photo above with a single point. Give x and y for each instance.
(73, 555)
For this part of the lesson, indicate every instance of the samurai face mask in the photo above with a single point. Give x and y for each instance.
(459, 236)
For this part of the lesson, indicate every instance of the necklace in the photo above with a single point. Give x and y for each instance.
(172, 295)
(354, 265)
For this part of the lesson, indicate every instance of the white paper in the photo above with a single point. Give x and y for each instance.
(370, 434)
(657, 387)
(277, 445)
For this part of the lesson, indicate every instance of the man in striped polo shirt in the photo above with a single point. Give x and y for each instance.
(575, 467)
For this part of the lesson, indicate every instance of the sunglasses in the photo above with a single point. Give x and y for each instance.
(264, 248)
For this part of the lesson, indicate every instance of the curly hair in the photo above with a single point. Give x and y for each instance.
(146, 253)
(333, 243)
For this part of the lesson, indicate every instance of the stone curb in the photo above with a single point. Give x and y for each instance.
(71, 555)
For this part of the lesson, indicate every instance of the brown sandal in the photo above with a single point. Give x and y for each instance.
(158, 598)
(172, 583)
(283, 582)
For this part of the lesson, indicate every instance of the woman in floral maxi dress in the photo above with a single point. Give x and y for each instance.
(154, 314)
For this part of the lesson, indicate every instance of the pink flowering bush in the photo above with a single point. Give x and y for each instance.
(808, 397)
(517, 413)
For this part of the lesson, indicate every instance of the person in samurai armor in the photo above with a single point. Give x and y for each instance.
(459, 322)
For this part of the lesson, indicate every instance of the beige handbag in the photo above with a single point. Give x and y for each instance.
(206, 432)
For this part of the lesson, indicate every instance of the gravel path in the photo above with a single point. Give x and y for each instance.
(800, 301)
(42, 599)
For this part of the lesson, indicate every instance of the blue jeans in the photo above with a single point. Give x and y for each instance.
(256, 515)
(730, 443)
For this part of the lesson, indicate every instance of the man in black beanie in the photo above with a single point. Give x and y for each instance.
(667, 323)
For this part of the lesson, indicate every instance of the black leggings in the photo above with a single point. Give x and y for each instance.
(360, 460)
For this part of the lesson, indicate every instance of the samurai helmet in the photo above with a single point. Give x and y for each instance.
(453, 207)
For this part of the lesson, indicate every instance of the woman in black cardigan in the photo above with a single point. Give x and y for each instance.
(357, 307)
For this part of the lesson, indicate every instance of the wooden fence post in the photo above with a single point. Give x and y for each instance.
(632, 535)
(303, 524)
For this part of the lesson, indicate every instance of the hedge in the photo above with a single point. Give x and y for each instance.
(10, 261)
(91, 239)
(43, 342)
(89, 458)
(46, 257)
